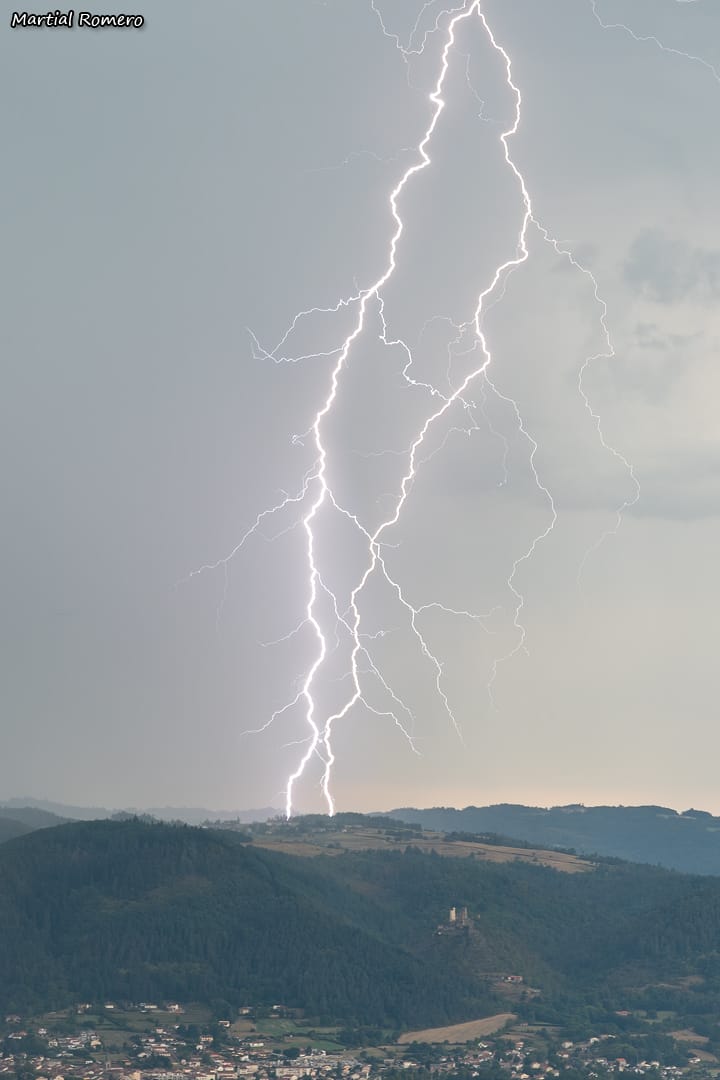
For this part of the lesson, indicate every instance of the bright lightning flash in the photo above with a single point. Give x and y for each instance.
(316, 494)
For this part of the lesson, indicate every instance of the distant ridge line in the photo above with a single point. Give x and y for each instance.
(679, 840)
(192, 815)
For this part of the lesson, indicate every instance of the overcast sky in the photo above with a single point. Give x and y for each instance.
(168, 190)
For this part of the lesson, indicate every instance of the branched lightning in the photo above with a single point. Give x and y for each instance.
(408, 51)
(259, 353)
(287, 500)
(316, 495)
(324, 494)
(655, 41)
(374, 539)
(608, 353)
(609, 350)
(357, 155)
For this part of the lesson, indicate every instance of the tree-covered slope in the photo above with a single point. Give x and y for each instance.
(125, 910)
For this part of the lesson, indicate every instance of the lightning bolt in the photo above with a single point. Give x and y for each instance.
(644, 38)
(609, 352)
(373, 292)
(316, 495)
(447, 401)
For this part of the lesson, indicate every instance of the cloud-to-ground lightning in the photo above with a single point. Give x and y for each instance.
(316, 493)
(323, 489)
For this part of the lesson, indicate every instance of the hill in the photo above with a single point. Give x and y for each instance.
(131, 911)
(31, 817)
(10, 828)
(316, 834)
(125, 910)
(44, 808)
(191, 815)
(688, 841)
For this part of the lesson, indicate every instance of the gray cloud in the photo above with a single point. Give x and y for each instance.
(652, 361)
(667, 269)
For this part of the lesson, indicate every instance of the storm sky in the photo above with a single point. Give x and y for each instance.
(170, 190)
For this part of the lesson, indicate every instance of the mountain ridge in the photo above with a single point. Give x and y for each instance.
(687, 841)
(191, 815)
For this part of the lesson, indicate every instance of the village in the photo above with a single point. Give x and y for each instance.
(164, 1045)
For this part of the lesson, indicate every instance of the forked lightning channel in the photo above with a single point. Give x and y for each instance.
(315, 492)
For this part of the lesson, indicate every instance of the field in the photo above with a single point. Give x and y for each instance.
(334, 843)
(459, 1033)
(690, 1036)
(278, 1033)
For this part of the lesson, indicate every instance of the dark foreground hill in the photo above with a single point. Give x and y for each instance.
(126, 910)
(649, 834)
(106, 910)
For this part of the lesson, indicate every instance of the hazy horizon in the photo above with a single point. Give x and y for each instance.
(8, 801)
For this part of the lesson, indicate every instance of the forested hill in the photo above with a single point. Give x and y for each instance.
(10, 828)
(651, 834)
(132, 911)
(21, 820)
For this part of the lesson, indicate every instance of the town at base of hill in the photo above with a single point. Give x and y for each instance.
(365, 929)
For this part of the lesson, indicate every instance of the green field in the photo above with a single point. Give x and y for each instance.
(281, 1033)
